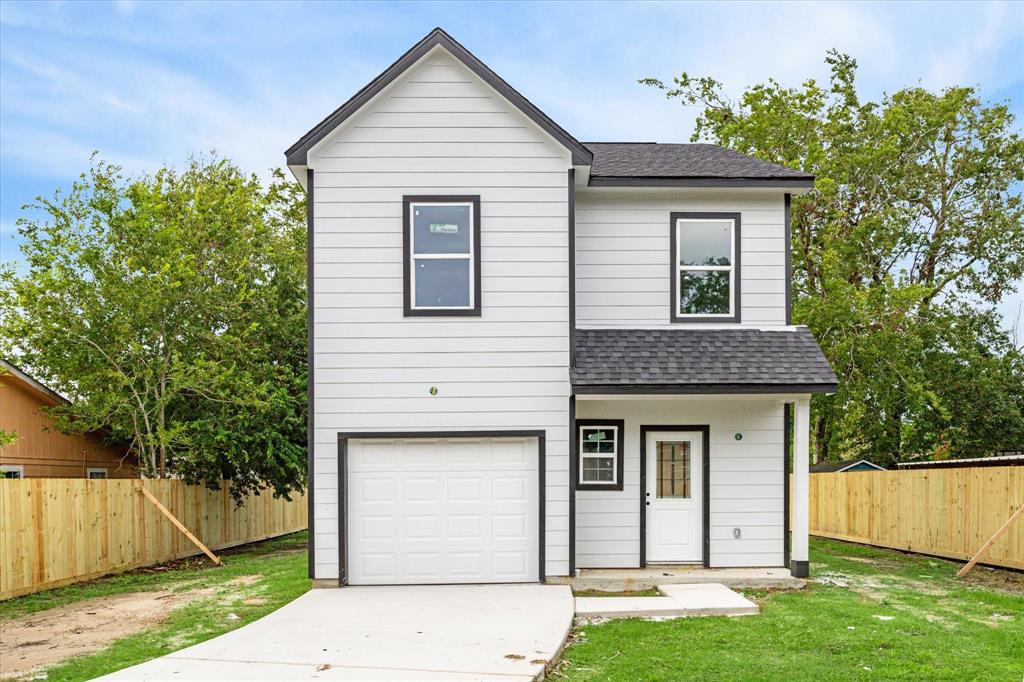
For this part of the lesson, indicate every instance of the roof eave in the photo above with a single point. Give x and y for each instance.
(631, 181)
(296, 155)
(702, 389)
(32, 383)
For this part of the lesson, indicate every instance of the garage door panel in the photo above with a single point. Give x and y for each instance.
(443, 511)
(422, 526)
(377, 528)
(509, 489)
(464, 488)
(510, 564)
(377, 565)
(422, 489)
(421, 455)
(466, 526)
(466, 565)
(379, 456)
(423, 565)
(510, 527)
(375, 490)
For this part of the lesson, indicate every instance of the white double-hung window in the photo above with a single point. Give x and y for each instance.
(705, 273)
(442, 255)
(600, 454)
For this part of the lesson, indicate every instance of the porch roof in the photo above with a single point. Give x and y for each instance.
(660, 361)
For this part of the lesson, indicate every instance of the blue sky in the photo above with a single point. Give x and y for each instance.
(147, 83)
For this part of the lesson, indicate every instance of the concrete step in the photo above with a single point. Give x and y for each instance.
(678, 601)
(710, 599)
(628, 607)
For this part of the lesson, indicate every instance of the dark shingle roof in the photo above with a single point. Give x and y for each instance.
(652, 160)
(700, 361)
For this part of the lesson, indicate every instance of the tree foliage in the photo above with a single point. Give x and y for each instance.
(914, 230)
(171, 307)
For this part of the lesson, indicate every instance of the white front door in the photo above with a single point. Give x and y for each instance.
(443, 510)
(674, 497)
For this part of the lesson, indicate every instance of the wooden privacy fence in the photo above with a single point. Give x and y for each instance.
(944, 512)
(59, 530)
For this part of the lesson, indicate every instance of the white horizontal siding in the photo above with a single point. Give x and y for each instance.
(623, 260)
(746, 479)
(440, 130)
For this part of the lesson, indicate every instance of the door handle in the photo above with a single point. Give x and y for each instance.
(648, 503)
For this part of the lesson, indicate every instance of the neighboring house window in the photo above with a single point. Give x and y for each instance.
(12, 471)
(441, 255)
(95, 472)
(705, 267)
(600, 451)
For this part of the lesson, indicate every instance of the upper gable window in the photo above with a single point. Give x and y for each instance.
(442, 255)
(705, 271)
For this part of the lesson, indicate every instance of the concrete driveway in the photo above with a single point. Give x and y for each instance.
(446, 632)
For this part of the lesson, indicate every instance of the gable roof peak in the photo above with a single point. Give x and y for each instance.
(296, 155)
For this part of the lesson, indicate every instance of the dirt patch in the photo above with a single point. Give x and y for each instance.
(874, 561)
(995, 578)
(49, 637)
(245, 580)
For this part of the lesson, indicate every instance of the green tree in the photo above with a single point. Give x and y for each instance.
(914, 230)
(171, 307)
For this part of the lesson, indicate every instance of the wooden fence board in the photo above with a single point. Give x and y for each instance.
(58, 531)
(943, 512)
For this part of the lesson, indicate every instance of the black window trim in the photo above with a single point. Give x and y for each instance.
(620, 441)
(408, 309)
(737, 301)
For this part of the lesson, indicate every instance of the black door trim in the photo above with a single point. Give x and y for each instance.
(345, 436)
(705, 430)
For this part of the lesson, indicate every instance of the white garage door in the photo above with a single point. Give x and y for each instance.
(443, 511)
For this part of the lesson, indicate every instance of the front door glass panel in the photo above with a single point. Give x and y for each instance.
(674, 470)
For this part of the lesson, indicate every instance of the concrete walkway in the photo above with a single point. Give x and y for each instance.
(449, 632)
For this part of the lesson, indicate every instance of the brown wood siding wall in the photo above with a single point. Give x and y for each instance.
(42, 449)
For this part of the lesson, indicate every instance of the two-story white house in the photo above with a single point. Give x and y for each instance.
(531, 355)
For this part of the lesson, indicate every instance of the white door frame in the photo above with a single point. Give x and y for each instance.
(705, 486)
(345, 436)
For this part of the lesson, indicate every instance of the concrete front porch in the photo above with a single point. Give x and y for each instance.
(676, 601)
(650, 577)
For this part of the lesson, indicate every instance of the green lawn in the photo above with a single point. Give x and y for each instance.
(253, 581)
(941, 628)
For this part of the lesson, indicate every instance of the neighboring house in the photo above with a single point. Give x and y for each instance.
(530, 355)
(1014, 460)
(40, 450)
(845, 465)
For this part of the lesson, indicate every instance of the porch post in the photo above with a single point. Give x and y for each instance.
(798, 564)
